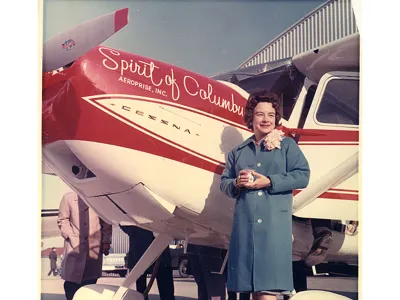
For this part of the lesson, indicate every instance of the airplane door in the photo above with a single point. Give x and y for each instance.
(333, 120)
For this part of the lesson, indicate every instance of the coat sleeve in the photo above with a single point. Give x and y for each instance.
(106, 230)
(298, 171)
(228, 176)
(63, 220)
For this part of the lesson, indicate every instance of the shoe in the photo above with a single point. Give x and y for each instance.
(319, 249)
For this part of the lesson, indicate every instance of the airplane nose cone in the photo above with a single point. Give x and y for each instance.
(60, 112)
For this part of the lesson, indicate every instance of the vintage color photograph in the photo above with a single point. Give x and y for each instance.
(200, 150)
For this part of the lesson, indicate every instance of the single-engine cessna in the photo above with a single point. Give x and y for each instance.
(144, 142)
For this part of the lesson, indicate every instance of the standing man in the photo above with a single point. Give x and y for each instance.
(87, 238)
(53, 261)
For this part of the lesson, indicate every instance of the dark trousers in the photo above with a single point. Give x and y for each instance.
(208, 284)
(300, 271)
(52, 270)
(165, 283)
(242, 296)
(70, 288)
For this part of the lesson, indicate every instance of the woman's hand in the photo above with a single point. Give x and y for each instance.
(260, 182)
(243, 178)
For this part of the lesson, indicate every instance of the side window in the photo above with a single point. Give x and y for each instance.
(340, 103)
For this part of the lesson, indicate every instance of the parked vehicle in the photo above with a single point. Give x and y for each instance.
(114, 263)
(179, 260)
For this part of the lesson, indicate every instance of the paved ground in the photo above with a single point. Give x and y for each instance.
(52, 289)
(185, 288)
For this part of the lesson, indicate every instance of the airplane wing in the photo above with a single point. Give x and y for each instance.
(333, 178)
(66, 47)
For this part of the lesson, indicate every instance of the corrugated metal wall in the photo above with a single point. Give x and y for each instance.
(120, 240)
(330, 21)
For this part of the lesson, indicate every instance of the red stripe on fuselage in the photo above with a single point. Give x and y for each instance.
(334, 196)
(330, 136)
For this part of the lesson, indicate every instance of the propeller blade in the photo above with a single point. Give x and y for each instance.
(69, 46)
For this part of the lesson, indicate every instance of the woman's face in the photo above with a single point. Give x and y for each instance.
(263, 118)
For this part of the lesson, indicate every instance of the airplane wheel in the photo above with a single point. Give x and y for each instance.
(183, 268)
(103, 292)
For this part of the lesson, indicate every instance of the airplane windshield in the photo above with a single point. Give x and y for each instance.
(280, 77)
(247, 72)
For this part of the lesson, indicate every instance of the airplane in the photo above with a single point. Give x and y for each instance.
(144, 142)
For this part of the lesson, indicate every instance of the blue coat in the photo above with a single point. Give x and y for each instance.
(260, 250)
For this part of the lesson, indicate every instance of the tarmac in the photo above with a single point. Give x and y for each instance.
(186, 288)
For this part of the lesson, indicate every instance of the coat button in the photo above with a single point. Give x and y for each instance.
(258, 165)
(259, 221)
(259, 193)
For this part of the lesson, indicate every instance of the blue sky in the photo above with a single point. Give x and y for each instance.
(206, 36)
(203, 36)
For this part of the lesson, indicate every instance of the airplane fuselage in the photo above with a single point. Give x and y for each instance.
(144, 142)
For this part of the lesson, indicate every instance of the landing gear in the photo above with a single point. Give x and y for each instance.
(110, 292)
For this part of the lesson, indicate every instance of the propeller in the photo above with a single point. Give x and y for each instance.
(68, 46)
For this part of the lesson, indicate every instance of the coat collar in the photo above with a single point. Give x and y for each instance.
(249, 141)
(246, 142)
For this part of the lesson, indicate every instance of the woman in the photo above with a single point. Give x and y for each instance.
(261, 174)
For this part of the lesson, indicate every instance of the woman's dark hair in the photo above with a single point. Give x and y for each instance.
(257, 97)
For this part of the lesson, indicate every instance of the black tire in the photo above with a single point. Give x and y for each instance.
(183, 268)
(122, 273)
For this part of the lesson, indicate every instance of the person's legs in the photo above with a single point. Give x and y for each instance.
(299, 276)
(141, 284)
(244, 296)
(232, 295)
(91, 281)
(70, 289)
(199, 277)
(165, 282)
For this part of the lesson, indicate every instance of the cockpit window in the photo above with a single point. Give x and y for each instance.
(340, 103)
(280, 77)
